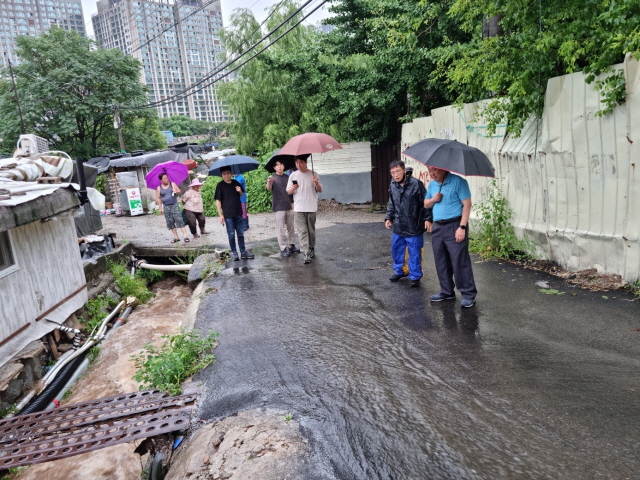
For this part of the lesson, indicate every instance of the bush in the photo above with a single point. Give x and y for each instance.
(149, 276)
(178, 358)
(493, 235)
(259, 199)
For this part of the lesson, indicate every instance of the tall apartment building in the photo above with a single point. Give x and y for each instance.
(177, 42)
(31, 17)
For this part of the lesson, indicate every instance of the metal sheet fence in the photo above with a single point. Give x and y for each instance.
(570, 177)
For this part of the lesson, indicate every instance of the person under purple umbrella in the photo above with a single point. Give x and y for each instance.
(167, 199)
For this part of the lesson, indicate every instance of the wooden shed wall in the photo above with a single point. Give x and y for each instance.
(49, 270)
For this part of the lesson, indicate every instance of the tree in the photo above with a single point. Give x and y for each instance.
(539, 40)
(67, 89)
(267, 105)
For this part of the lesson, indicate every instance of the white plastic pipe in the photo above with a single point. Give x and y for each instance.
(74, 378)
(164, 268)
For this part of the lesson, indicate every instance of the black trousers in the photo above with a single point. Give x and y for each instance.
(192, 217)
(453, 260)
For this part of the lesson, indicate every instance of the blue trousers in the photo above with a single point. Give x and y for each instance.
(235, 225)
(453, 260)
(398, 245)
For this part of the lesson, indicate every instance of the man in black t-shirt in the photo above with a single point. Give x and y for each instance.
(281, 204)
(227, 196)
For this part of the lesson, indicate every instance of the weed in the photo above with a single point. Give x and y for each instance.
(129, 285)
(211, 269)
(375, 207)
(93, 353)
(96, 310)
(149, 276)
(288, 417)
(68, 393)
(550, 291)
(13, 471)
(179, 357)
(494, 236)
(12, 409)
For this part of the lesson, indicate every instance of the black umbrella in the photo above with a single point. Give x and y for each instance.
(289, 161)
(238, 164)
(452, 156)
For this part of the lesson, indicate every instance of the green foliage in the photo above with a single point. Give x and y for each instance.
(208, 191)
(183, 126)
(93, 353)
(179, 357)
(150, 276)
(129, 285)
(259, 199)
(493, 235)
(101, 183)
(12, 409)
(95, 312)
(67, 87)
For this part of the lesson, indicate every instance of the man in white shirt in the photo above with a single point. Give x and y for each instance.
(305, 185)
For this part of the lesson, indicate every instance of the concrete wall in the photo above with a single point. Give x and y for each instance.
(570, 177)
(345, 174)
(346, 187)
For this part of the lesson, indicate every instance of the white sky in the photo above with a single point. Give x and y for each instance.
(257, 6)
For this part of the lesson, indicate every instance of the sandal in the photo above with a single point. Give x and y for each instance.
(186, 240)
(175, 240)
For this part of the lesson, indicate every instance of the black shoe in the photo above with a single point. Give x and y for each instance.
(235, 256)
(415, 283)
(441, 297)
(395, 277)
(312, 252)
(467, 302)
(285, 253)
(307, 258)
(293, 249)
(246, 255)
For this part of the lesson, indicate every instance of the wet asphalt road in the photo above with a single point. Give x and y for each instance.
(389, 386)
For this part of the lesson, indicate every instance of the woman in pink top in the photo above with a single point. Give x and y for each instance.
(193, 208)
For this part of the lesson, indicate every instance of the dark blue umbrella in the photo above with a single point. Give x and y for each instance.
(452, 156)
(238, 163)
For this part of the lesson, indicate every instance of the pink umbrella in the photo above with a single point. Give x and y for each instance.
(176, 171)
(310, 143)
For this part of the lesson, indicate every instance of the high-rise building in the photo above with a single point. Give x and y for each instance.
(31, 17)
(178, 44)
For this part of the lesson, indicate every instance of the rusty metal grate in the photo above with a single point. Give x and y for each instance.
(84, 427)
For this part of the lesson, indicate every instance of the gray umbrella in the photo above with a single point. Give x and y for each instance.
(452, 156)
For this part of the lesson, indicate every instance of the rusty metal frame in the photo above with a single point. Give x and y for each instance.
(67, 431)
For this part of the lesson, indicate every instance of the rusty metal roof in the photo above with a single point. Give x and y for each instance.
(84, 427)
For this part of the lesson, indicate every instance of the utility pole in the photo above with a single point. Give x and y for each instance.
(15, 91)
(117, 124)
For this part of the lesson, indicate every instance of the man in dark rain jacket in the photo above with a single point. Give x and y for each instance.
(406, 212)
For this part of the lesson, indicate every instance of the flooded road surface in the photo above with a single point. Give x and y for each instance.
(390, 386)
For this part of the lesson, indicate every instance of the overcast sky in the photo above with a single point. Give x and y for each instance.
(257, 6)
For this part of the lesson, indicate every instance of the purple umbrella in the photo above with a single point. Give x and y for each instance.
(176, 171)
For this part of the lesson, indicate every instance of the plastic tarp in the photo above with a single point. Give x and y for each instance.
(149, 159)
(25, 169)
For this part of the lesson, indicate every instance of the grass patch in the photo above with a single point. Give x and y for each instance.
(179, 357)
(150, 276)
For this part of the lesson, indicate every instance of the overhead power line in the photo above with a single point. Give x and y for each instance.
(184, 94)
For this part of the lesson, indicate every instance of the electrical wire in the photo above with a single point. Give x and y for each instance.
(216, 71)
(167, 101)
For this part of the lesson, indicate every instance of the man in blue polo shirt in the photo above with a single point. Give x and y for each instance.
(450, 198)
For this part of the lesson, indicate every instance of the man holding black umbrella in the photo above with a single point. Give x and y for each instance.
(449, 196)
